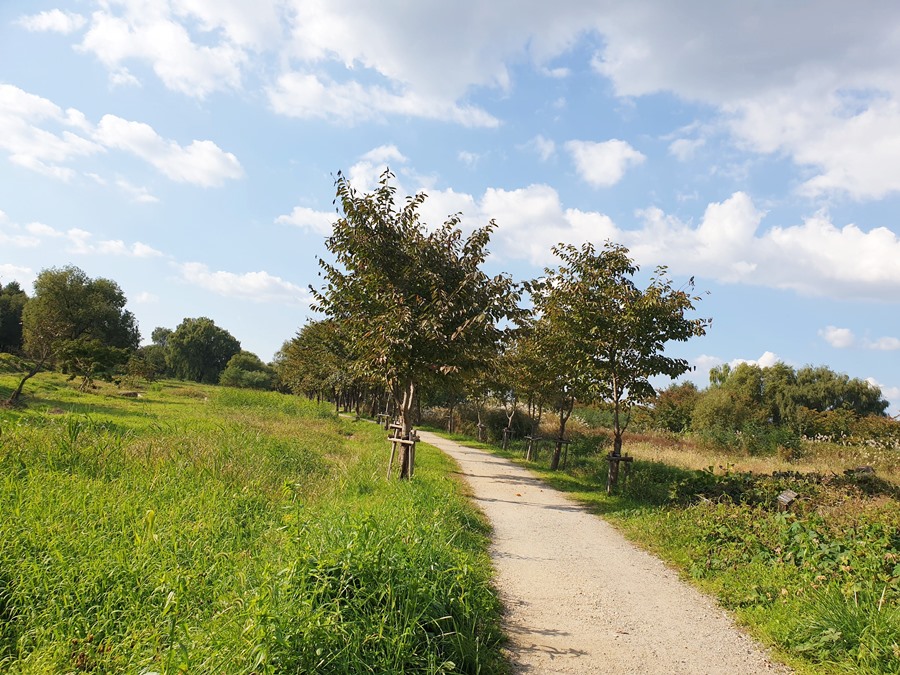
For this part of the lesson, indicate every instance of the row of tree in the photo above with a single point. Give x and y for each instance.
(80, 326)
(410, 311)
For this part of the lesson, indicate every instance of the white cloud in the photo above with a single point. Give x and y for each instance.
(839, 338)
(685, 148)
(531, 220)
(255, 286)
(886, 344)
(364, 174)
(892, 394)
(146, 298)
(24, 275)
(26, 121)
(18, 240)
(307, 95)
(201, 163)
(42, 230)
(80, 242)
(149, 32)
(141, 195)
(767, 360)
(319, 222)
(544, 147)
(470, 159)
(603, 164)
(54, 20)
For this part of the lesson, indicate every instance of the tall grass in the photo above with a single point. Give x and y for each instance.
(207, 530)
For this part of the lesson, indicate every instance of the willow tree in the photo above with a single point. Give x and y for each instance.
(613, 333)
(413, 300)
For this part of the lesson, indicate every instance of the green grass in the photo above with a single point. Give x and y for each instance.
(820, 583)
(206, 530)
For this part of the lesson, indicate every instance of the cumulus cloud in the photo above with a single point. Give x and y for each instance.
(200, 162)
(318, 222)
(730, 242)
(40, 136)
(767, 360)
(150, 33)
(54, 20)
(255, 286)
(839, 338)
(603, 164)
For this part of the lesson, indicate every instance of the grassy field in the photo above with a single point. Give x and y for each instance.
(819, 582)
(208, 530)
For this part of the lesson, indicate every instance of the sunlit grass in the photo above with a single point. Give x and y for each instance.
(206, 530)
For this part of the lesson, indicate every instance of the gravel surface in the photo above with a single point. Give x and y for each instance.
(580, 598)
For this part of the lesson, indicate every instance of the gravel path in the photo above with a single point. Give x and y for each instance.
(579, 598)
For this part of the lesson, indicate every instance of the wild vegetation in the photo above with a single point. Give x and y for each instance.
(819, 580)
(206, 529)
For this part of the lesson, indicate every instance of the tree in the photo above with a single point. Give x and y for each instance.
(160, 336)
(246, 370)
(12, 302)
(199, 350)
(614, 334)
(414, 302)
(77, 322)
(674, 406)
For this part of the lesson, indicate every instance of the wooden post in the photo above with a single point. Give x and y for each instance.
(505, 438)
(612, 478)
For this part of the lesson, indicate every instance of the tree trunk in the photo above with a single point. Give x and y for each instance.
(407, 452)
(16, 395)
(450, 416)
(564, 411)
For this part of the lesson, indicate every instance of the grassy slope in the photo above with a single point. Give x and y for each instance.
(821, 584)
(200, 529)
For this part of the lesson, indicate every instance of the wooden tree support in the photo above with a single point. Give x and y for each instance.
(564, 443)
(396, 443)
(481, 428)
(532, 446)
(506, 434)
(612, 478)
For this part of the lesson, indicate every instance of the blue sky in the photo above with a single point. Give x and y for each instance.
(187, 149)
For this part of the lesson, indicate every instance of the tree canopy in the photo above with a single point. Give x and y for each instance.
(12, 302)
(607, 336)
(414, 302)
(79, 323)
(199, 350)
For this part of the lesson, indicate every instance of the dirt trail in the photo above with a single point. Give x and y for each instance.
(582, 599)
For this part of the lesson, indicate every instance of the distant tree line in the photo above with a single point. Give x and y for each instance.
(765, 407)
(79, 326)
